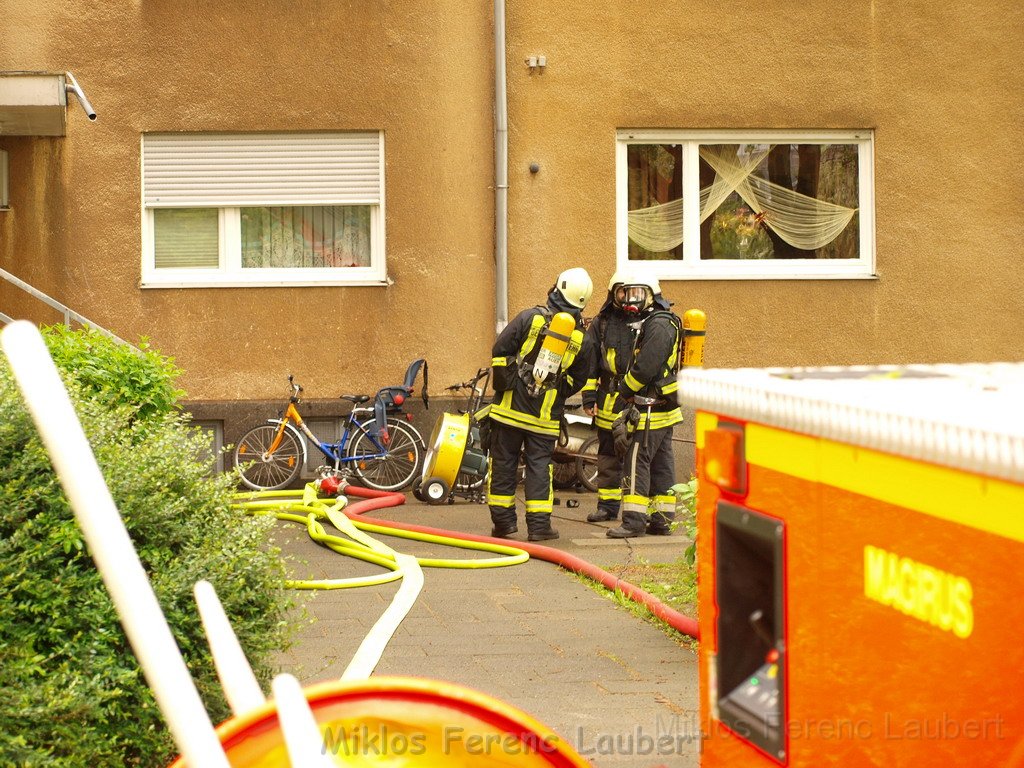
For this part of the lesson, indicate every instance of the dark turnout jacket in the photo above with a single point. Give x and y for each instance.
(516, 347)
(652, 371)
(611, 336)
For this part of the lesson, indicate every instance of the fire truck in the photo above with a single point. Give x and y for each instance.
(860, 539)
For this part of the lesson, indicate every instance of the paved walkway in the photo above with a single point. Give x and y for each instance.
(616, 687)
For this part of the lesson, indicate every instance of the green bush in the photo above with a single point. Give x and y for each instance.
(73, 692)
(686, 515)
(141, 379)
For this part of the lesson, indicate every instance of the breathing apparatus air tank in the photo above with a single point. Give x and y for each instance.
(694, 323)
(552, 349)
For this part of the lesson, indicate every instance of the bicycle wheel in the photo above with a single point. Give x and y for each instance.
(268, 472)
(563, 472)
(586, 465)
(386, 468)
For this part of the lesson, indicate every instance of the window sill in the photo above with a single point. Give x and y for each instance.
(803, 276)
(150, 284)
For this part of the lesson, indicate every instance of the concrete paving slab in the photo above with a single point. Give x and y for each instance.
(618, 689)
(676, 542)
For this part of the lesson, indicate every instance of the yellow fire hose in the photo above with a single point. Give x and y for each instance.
(307, 508)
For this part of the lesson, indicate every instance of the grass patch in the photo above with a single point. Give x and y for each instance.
(674, 584)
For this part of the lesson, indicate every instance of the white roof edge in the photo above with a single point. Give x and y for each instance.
(968, 417)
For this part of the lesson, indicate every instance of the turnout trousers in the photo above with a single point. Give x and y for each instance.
(507, 443)
(648, 475)
(609, 476)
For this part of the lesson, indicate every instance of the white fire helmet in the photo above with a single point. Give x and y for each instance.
(633, 290)
(575, 286)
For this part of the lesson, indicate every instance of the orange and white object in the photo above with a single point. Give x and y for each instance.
(401, 722)
(860, 534)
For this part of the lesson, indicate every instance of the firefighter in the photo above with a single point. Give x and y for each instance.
(649, 384)
(612, 336)
(531, 381)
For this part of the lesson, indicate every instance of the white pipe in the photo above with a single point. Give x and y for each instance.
(241, 688)
(75, 89)
(111, 547)
(372, 648)
(500, 171)
(307, 748)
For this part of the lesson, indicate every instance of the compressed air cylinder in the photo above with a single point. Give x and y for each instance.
(694, 323)
(556, 341)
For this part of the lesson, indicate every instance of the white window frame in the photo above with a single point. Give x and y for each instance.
(229, 271)
(691, 267)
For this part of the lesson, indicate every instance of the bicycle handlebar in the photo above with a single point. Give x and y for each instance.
(471, 384)
(295, 389)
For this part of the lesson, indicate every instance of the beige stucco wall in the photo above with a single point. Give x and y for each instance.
(422, 73)
(939, 84)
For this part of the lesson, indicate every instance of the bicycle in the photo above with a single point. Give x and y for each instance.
(381, 450)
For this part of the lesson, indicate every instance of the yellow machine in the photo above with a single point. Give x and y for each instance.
(453, 451)
(552, 349)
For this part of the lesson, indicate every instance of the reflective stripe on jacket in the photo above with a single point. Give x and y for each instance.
(613, 335)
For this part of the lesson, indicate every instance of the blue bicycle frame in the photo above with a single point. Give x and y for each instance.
(335, 452)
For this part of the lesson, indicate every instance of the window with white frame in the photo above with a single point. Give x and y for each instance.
(263, 209)
(746, 204)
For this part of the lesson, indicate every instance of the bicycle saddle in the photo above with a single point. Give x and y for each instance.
(355, 399)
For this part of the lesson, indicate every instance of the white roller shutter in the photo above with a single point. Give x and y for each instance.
(225, 170)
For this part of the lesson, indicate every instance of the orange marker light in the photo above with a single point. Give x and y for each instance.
(724, 461)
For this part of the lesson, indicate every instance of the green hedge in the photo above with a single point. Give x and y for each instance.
(73, 692)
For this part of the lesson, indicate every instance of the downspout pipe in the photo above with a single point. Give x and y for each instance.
(500, 171)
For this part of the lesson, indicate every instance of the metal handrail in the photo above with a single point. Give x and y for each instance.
(68, 313)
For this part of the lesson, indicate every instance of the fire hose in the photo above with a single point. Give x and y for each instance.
(311, 508)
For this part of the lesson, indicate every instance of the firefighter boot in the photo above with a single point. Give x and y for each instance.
(660, 525)
(603, 514)
(504, 519)
(634, 524)
(609, 488)
(538, 525)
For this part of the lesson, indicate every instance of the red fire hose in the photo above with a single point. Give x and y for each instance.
(375, 499)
